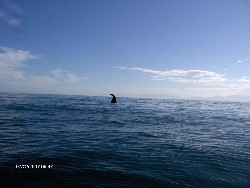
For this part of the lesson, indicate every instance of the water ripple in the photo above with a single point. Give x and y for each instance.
(137, 142)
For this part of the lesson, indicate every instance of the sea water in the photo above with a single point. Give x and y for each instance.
(57, 140)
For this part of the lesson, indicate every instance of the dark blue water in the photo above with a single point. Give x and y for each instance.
(134, 143)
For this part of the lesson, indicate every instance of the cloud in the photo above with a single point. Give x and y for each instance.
(72, 77)
(198, 82)
(11, 60)
(67, 76)
(13, 63)
(10, 57)
(183, 76)
(242, 60)
(13, 7)
(11, 14)
(244, 80)
(56, 73)
(57, 76)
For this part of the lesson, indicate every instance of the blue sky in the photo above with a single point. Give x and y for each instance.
(182, 48)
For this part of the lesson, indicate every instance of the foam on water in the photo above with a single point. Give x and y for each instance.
(136, 142)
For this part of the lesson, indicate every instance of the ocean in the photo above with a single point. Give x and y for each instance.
(83, 141)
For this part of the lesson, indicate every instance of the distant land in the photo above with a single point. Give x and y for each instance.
(153, 96)
(230, 98)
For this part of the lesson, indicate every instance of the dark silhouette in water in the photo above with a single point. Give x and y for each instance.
(113, 99)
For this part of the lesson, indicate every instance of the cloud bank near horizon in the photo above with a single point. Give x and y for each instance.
(195, 80)
(183, 76)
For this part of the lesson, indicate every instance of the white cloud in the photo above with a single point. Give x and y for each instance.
(14, 58)
(67, 76)
(244, 80)
(15, 22)
(183, 76)
(11, 13)
(11, 73)
(72, 77)
(56, 73)
(57, 76)
(13, 7)
(13, 63)
(11, 60)
(242, 60)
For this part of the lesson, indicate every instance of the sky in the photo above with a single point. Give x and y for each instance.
(127, 47)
